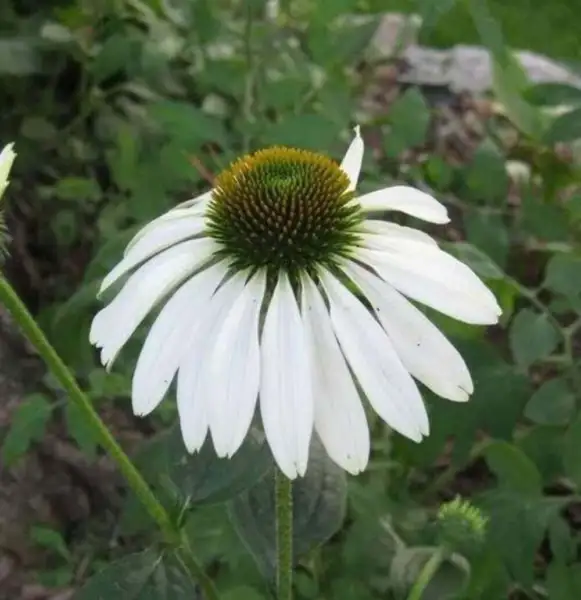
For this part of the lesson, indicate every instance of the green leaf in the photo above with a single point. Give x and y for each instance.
(27, 425)
(335, 46)
(285, 93)
(119, 53)
(532, 337)
(187, 125)
(144, 576)
(223, 76)
(51, 540)
(440, 174)
(488, 232)
(409, 117)
(324, 11)
(242, 593)
(123, 158)
(513, 469)
(311, 131)
(431, 11)
(509, 82)
(552, 404)
(319, 500)
(495, 408)
(202, 477)
(562, 541)
(564, 128)
(548, 222)
(517, 526)
(38, 129)
(553, 94)
(65, 227)
(80, 429)
(563, 581)
(78, 189)
(69, 325)
(543, 445)
(563, 274)
(447, 583)
(486, 176)
(19, 56)
(488, 29)
(476, 260)
(572, 452)
(56, 578)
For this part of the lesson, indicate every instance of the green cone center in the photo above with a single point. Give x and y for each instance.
(283, 208)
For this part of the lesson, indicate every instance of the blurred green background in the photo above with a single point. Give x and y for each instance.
(545, 26)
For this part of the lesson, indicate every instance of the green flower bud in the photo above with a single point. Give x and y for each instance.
(461, 525)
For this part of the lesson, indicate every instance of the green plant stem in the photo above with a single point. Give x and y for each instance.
(427, 573)
(58, 368)
(284, 536)
(192, 566)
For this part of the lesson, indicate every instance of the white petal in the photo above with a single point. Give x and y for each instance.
(169, 337)
(7, 157)
(114, 325)
(194, 389)
(200, 202)
(423, 349)
(163, 236)
(390, 231)
(353, 159)
(233, 365)
(194, 207)
(387, 384)
(286, 402)
(339, 415)
(437, 279)
(405, 199)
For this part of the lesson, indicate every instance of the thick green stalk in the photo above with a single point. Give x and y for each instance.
(427, 573)
(58, 368)
(284, 536)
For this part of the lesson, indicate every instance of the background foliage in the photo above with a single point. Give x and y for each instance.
(121, 109)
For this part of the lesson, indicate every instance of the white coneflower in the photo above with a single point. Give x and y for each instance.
(277, 288)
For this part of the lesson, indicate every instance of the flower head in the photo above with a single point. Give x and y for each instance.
(278, 289)
(461, 524)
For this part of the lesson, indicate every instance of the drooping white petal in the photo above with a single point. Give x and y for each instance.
(392, 231)
(437, 279)
(423, 349)
(286, 399)
(7, 157)
(233, 365)
(169, 337)
(405, 199)
(339, 415)
(165, 235)
(353, 159)
(199, 203)
(194, 388)
(114, 324)
(194, 207)
(387, 384)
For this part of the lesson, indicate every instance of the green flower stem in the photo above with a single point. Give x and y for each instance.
(32, 331)
(427, 573)
(284, 536)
